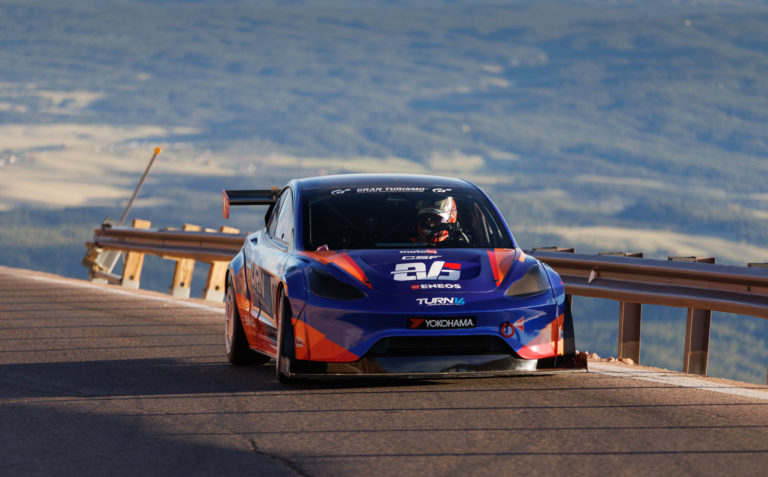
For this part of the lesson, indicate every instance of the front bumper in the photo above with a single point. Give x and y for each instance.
(443, 366)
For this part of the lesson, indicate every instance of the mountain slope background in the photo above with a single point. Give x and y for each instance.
(634, 126)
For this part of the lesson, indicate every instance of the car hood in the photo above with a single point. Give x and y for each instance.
(428, 270)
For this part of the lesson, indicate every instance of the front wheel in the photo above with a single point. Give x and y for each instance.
(238, 351)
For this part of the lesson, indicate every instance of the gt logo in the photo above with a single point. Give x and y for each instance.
(438, 270)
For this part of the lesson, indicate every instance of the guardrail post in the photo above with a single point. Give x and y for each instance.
(214, 285)
(696, 352)
(759, 265)
(630, 318)
(134, 261)
(185, 267)
(217, 273)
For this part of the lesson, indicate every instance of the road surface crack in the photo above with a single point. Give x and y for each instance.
(279, 458)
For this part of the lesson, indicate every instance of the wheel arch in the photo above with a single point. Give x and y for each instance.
(294, 285)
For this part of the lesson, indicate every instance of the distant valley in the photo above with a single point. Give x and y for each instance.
(635, 126)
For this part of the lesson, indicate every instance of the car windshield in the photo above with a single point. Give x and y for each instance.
(399, 217)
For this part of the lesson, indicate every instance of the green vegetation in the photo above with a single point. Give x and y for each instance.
(643, 115)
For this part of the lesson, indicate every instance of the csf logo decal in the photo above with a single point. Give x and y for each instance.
(437, 270)
(441, 323)
(412, 258)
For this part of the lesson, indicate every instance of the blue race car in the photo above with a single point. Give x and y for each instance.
(391, 275)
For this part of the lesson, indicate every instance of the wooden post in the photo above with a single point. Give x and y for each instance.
(225, 229)
(630, 318)
(214, 285)
(696, 351)
(759, 265)
(185, 267)
(134, 261)
(217, 273)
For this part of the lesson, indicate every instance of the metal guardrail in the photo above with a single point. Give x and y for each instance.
(628, 278)
(688, 282)
(201, 246)
(183, 246)
(707, 286)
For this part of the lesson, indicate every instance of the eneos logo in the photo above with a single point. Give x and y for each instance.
(439, 286)
(438, 270)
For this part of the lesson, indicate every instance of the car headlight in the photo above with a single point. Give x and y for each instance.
(324, 285)
(534, 282)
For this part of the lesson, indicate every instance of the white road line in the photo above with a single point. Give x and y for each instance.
(675, 379)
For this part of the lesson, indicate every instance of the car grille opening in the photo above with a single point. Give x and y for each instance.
(439, 346)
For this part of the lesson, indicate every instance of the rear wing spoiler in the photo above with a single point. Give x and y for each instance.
(247, 197)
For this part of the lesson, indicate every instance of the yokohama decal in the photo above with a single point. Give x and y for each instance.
(441, 323)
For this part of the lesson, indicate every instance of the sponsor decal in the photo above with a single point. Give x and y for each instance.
(430, 286)
(440, 190)
(340, 191)
(441, 301)
(368, 190)
(441, 323)
(419, 257)
(437, 270)
(508, 329)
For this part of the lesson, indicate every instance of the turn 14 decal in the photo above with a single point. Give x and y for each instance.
(441, 301)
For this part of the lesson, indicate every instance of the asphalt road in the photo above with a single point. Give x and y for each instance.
(97, 381)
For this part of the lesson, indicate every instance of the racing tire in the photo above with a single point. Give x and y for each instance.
(286, 343)
(238, 351)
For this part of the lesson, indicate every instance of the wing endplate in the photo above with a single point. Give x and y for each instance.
(247, 197)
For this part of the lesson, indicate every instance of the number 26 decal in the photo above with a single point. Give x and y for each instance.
(438, 270)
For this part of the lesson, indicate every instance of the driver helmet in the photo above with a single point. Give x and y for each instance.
(434, 221)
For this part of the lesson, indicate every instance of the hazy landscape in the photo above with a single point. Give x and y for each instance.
(621, 125)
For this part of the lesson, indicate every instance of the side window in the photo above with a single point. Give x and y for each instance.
(282, 228)
(272, 224)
